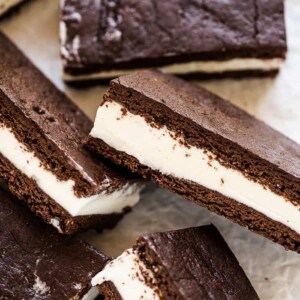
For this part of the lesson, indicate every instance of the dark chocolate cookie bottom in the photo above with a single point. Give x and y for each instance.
(217, 203)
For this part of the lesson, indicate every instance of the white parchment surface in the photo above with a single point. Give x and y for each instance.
(274, 272)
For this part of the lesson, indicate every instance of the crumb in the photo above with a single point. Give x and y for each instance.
(124, 111)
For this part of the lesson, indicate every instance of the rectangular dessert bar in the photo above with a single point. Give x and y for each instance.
(194, 263)
(204, 148)
(105, 39)
(8, 5)
(42, 159)
(39, 263)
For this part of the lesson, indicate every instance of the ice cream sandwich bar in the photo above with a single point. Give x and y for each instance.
(204, 148)
(42, 159)
(39, 263)
(193, 264)
(205, 39)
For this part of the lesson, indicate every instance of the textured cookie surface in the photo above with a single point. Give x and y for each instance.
(196, 263)
(37, 262)
(128, 34)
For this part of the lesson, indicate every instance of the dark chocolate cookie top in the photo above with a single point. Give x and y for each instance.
(115, 32)
(37, 262)
(200, 264)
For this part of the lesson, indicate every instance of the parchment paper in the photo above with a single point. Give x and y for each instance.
(274, 272)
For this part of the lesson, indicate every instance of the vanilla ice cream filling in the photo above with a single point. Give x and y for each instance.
(5, 5)
(155, 148)
(209, 67)
(127, 273)
(62, 192)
